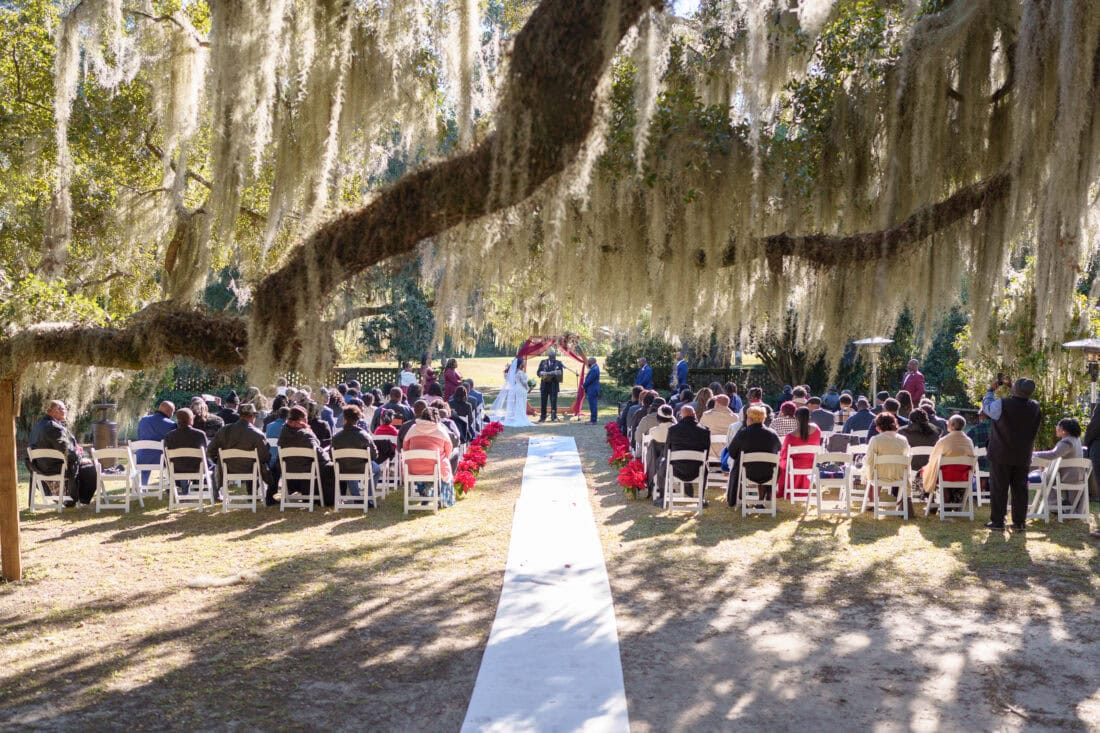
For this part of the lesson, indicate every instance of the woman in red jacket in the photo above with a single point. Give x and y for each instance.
(805, 434)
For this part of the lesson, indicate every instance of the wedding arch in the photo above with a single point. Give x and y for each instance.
(568, 346)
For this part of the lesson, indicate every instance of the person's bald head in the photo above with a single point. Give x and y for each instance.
(167, 408)
(687, 411)
(722, 400)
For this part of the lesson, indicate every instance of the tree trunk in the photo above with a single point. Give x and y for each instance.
(9, 485)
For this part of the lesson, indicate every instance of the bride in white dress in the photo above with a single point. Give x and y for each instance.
(510, 406)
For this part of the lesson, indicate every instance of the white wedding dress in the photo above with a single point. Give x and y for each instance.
(510, 406)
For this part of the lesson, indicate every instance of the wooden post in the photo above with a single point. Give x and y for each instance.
(9, 485)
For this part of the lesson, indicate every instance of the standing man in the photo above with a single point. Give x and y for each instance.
(913, 382)
(680, 377)
(645, 374)
(550, 373)
(1014, 425)
(592, 388)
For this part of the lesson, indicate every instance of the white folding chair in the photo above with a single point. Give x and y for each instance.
(857, 488)
(715, 475)
(939, 499)
(365, 479)
(312, 476)
(157, 469)
(1037, 506)
(1075, 489)
(200, 484)
(390, 479)
(413, 499)
(108, 495)
(50, 486)
(826, 436)
(240, 479)
(646, 440)
(790, 472)
(750, 494)
(676, 489)
(820, 485)
(981, 495)
(879, 484)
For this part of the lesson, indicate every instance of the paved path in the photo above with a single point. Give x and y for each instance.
(552, 662)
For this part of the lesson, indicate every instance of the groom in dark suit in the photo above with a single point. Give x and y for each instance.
(550, 373)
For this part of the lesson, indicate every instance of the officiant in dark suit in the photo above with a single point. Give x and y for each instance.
(550, 373)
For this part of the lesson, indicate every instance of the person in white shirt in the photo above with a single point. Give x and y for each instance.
(407, 377)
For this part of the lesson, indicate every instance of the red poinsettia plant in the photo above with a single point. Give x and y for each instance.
(492, 430)
(632, 477)
(465, 482)
(477, 457)
(620, 455)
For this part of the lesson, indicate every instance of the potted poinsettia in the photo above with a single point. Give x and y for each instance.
(632, 478)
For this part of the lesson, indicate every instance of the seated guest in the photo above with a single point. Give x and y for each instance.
(756, 399)
(655, 456)
(755, 437)
(646, 424)
(320, 426)
(787, 396)
(187, 436)
(703, 400)
(244, 435)
(426, 434)
(477, 399)
(400, 410)
(860, 420)
(275, 428)
(296, 433)
(735, 399)
(799, 396)
(880, 401)
(443, 412)
(462, 412)
(203, 420)
(418, 408)
(686, 397)
(386, 449)
(368, 409)
(228, 413)
(635, 397)
(886, 442)
(350, 435)
(785, 422)
(889, 407)
(919, 433)
(930, 409)
(805, 433)
(638, 412)
(413, 394)
(905, 403)
(954, 444)
(1068, 432)
(433, 391)
(819, 416)
(277, 404)
(719, 421)
(324, 411)
(831, 399)
(844, 411)
(50, 433)
(154, 426)
(689, 435)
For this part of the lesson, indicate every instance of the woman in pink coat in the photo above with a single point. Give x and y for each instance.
(805, 434)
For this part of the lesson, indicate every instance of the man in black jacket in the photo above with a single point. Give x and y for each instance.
(755, 437)
(1091, 441)
(687, 434)
(296, 434)
(186, 436)
(50, 433)
(1015, 423)
(228, 413)
(244, 435)
(352, 436)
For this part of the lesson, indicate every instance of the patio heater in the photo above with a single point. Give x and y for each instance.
(1091, 348)
(874, 348)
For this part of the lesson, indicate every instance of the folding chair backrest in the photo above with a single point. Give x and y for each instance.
(832, 457)
(140, 445)
(800, 450)
(761, 457)
(352, 453)
(173, 454)
(971, 462)
(238, 455)
(304, 453)
(891, 460)
(422, 454)
(1082, 464)
(112, 454)
(49, 453)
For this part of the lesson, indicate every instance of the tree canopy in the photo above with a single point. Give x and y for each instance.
(753, 168)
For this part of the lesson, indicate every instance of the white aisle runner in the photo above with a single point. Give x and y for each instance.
(552, 662)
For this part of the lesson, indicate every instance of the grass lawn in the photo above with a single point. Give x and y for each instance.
(378, 622)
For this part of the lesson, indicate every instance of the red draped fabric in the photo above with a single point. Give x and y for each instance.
(568, 346)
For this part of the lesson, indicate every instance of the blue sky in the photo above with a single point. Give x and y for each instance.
(683, 7)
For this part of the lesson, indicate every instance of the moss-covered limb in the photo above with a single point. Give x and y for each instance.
(150, 338)
(546, 113)
(833, 250)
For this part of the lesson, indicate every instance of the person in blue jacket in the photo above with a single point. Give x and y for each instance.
(680, 378)
(645, 374)
(592, 387)
(154, 426)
